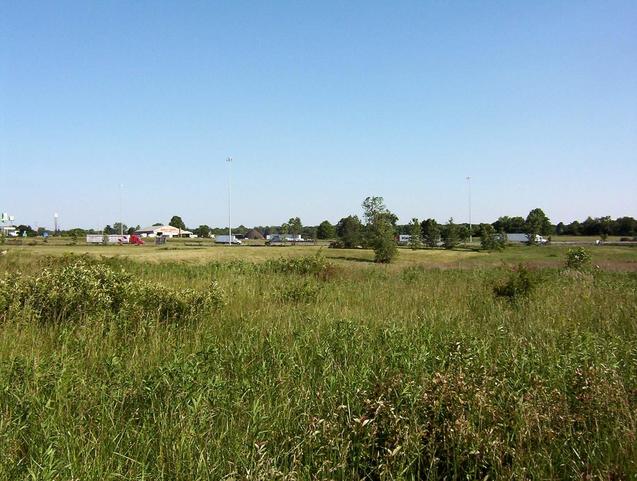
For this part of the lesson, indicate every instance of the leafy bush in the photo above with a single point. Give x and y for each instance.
(71, 291)
(578, 258)
(518, 285)
(297, 265)
(302, 292)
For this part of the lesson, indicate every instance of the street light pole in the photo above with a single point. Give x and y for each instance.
(229, 161)
(121, 222)
(470, 226)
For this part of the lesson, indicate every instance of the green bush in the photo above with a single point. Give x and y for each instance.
(297, 265)
(578, 258)
(301, 292)
(73, 290)
(518, 285)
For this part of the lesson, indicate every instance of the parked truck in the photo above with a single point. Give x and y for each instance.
(524, 238)
(225, 239)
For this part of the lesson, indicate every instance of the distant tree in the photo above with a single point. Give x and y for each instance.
(176, 222)
(325, 230)
(509, 224)
(25, 229)
(373, 206)
(537, 223)
(202, 231)
(626, 226)
(414, 241)
(295, 226)
(463, 233)
(430, 232)
(157, 224)
(108, 230)
(284, 229)
(349, 231)
(450, 236)
(309, 232)
(605, 227)
(488, 239)
(119, 228)
(560, 228)
(382, 238)
(130, 231)
(574, 228)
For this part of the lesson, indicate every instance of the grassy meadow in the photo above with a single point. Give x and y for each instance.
(190, 362)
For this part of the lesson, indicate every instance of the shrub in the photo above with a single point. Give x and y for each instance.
(66, 291)
(578, 258)
(297, 265)
(518, 285)
(303, 292)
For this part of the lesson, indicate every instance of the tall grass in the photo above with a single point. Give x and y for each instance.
(316, 371)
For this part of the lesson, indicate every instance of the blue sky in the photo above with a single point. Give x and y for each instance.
(320, 104)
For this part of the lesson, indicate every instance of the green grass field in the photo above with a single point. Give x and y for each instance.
(196, 363)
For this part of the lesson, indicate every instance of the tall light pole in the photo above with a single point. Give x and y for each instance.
(121, 222)
(229, 161)
(470, 230)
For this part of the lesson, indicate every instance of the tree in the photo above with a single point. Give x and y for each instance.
(202, 231)
(414, 232)
(430, 232)
(130, 231)
(325, 230)
(509, 224)
(157, 224)
(177, 222)
(488, 239)
(119, 228)
(373, 206)
(23, 230)
(295, 226)
(537, 223)
(450, 236)
(382, 238)
(463, 233)
(349, 231)
(605, 227)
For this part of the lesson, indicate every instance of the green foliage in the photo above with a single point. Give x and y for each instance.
(82, 288)
(537, 223)
(450, 235)
(518, 285)
(297, 265)
(578, 258)
(299, 292)
(202, 231)
(430, 232)
(295, 225)
(382, 239)
(326, 230)
(350, 231)
(488, 238)
(177, 222)
(364, 377)
(415, 241)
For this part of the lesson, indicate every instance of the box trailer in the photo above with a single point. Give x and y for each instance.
(524, 238)
(225, 239)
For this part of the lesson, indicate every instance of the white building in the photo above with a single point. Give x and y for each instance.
(164, 231)
(9, 230)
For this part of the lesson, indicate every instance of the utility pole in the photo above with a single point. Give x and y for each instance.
(470, 226)
(229, 161)
(121, 222)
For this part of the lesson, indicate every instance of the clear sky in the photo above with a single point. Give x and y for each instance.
(320, 104)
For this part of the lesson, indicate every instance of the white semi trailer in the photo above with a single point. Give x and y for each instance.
(225, 239)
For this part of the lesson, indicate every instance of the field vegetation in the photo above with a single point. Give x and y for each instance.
(294, 363)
